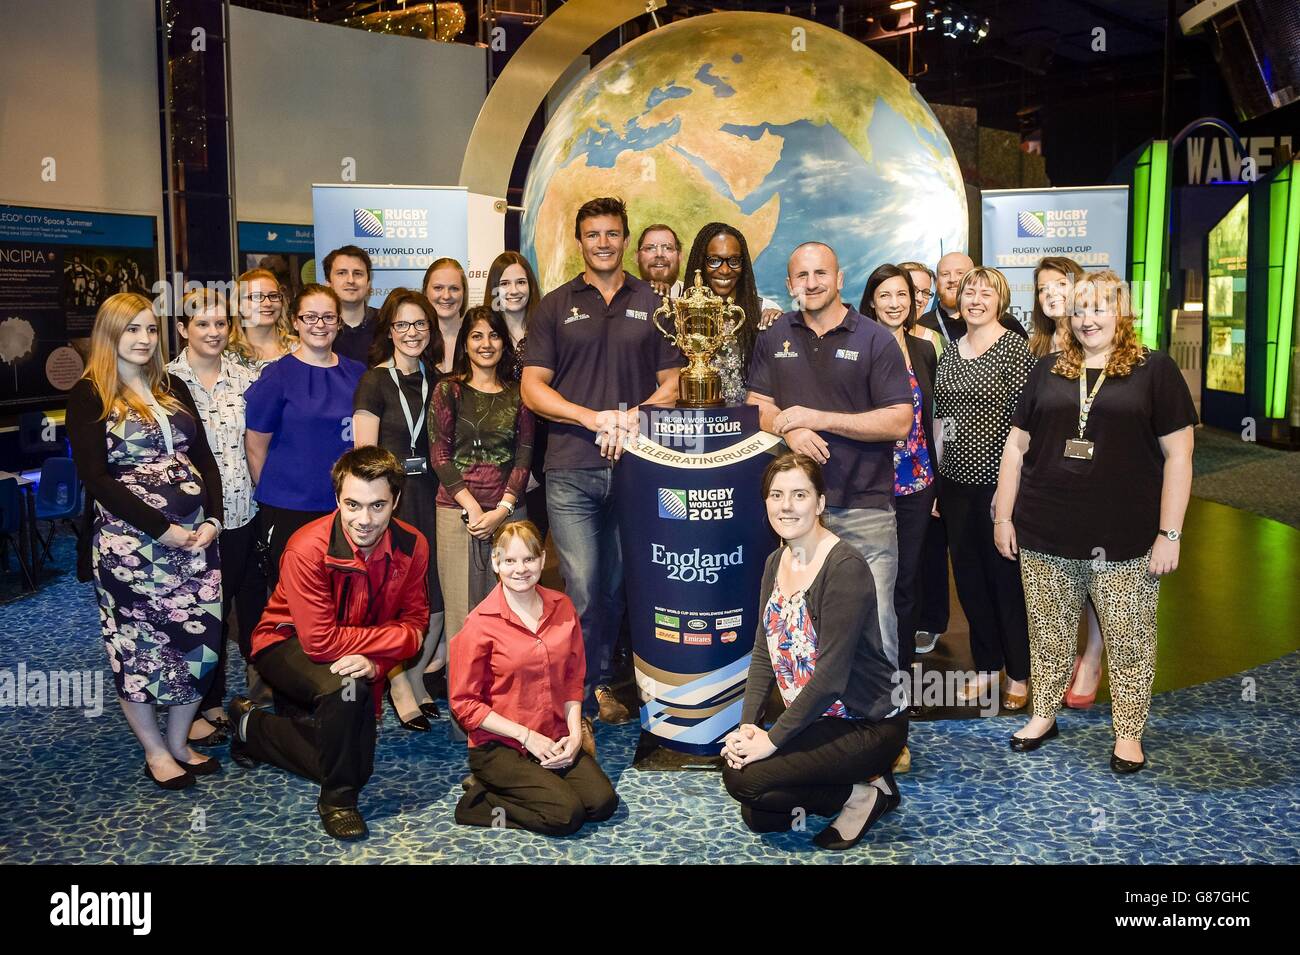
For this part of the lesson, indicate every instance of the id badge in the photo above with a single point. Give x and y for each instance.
(176, 473)
(416, 465)
(1079, 449)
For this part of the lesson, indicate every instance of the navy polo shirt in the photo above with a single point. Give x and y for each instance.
(856, 366)
(602, 355)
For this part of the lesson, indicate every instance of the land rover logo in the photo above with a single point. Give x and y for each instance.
(696, 624)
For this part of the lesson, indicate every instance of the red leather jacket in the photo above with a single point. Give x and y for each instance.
(324, 596)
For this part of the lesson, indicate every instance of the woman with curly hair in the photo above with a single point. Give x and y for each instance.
(1092, 491)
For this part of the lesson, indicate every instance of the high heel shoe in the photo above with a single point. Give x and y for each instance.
(419, 724)
(431, 710)
(184, 781)
(1027, 744)
(435, 683)
(1077, 701)
(830, 837)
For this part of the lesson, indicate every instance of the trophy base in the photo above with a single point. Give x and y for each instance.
(700, 393)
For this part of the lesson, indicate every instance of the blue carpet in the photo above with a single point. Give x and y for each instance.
(1221, 787)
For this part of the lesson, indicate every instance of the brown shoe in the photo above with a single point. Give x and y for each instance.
(588, 738)
(611, 710)
(903, 762)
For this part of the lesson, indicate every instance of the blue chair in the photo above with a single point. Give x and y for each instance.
(11, 522)
(58, 498)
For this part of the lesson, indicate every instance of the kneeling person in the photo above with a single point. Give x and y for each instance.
(350, 604)
(516, 679)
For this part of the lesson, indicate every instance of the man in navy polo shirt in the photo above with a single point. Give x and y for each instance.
(835, 386)
(593, 356)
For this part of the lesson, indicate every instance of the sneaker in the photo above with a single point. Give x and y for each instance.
(926, 641)
(611, 710)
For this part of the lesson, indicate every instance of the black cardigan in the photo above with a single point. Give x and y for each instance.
(87, 435)
(852, 665)
(921, 356)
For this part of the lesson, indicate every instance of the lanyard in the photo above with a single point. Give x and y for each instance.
(1086, 399)
(413, 424)
(943, 326)
(164, 423)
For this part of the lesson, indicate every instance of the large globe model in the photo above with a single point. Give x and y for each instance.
(786, 129)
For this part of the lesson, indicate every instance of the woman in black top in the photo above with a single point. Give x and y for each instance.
(1092, 493)
(976, 387)
(390, 409)
(153, 500)
(818, 641)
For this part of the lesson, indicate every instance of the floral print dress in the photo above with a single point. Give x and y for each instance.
(792, 647)
(159, 606)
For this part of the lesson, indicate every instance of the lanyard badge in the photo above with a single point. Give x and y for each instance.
(1081, 449)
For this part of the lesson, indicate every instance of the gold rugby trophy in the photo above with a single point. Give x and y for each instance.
(702, 322)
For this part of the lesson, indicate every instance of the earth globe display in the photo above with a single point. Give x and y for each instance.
(785, 129)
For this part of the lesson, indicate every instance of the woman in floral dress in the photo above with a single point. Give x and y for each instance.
(154, 496)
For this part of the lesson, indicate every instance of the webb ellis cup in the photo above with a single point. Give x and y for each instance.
(702, 322)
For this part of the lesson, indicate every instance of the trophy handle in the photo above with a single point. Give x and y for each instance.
(731, 327)
(666, 310)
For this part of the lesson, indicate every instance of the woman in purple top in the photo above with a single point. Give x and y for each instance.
(299, 416)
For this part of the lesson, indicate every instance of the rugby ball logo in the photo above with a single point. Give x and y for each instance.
(672, 504)
(368, 223)
(1030, 225)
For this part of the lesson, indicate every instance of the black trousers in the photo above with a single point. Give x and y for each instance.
(988, 584)
(815, 771)
(275, 525)
(514, 788)
(323, 727)
(932, 581)
(243, 586)
(912, 511)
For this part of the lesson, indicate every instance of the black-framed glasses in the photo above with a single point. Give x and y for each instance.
(274, 297)
(328, 319)
(734, 263)
(420, 325)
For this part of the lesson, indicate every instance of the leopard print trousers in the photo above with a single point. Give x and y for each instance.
(1125, 596)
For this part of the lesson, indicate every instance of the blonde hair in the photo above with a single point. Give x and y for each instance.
(1126, 351)
(284, 334)
(994, 280)
(199, 300)
(115, 398)
(525, 531)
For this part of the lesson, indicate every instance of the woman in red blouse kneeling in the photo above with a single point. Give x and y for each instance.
(516, 673)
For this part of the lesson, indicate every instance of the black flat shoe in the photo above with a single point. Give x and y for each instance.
(342, 823)
(1124, 766)
(418, 725)
(1027, 744)
(830, 838)
(431, 710)
(184, 781)
(218, 737)
(204, 767)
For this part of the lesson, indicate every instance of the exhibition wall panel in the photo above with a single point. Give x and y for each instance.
(306, 96)
(79, 82)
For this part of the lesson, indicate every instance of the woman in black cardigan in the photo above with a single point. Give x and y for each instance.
(154, 491)
(818, 640)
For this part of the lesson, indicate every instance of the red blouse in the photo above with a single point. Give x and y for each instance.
(498, 665)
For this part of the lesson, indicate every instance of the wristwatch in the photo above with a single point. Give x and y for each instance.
(1172, 535)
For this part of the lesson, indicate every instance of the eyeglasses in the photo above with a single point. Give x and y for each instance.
(420, 325)
(661, 247)
(734, 263)
(328, 319)
(265, 297)
(923, 295)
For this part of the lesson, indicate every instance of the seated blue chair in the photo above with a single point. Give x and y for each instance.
(58, 498)
(11, 521)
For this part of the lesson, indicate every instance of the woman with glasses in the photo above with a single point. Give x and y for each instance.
(721, 255)
(299, 416)
(390, 407)
(447, 289)
(263, 332)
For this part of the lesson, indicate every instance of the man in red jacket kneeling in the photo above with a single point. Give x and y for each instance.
(350, 604)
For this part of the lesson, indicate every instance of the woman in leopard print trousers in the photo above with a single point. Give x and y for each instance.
(1092, 491)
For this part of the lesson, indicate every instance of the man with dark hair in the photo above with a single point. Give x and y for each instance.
(347, 270)
(351, 603)
(593, 356)
(659, 258)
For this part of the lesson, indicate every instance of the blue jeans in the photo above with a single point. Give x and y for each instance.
(584, 527)
(873, 531)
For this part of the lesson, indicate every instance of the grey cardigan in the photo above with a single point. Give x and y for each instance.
(852, 665)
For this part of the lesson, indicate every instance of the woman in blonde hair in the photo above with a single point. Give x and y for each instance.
(447, 289)
(1092, 492)
(263, 331)
(155, 492)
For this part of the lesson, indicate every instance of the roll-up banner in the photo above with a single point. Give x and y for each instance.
(285, 248)
(402, 228)
(56, 267)
(1020, 226)
(695, 538)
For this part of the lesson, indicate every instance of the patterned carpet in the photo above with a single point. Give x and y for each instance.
(1247, 476)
